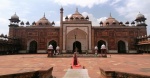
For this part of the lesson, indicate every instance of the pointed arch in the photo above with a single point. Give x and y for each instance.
(121, 47)
(99, 44)
(53, 43)
(77, 36)
(33, 47)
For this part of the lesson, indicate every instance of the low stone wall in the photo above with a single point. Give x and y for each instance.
(34, 74)
(117, 74)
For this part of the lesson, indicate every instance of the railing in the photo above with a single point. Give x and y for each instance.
(34, 74)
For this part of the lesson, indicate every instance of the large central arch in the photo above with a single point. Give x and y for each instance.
(77, 36)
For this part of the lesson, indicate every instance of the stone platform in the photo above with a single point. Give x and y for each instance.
(131, 63)
(76, 73)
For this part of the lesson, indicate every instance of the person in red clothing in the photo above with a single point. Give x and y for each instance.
(75, 60)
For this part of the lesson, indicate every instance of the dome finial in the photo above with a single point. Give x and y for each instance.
(44, 14)
(110, 15)
(76, 9)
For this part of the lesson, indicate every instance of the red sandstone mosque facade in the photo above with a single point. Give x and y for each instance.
(77, 32)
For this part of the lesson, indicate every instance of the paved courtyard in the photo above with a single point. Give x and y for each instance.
(132, 63)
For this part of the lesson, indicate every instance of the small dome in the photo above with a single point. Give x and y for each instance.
(61, 9)
(127, 22)
(132, 22)
(27, 23)
(22, 23)
(87, 17)
(43, 21)
(15, 17)
(66, 17)
(111, 21)
(120, 22)
(139, 16)
(34, 23)
(101, 22)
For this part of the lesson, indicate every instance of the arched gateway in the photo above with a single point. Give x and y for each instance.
(77, 40)
(77, 47)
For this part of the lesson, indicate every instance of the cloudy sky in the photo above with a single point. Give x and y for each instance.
(97, 10)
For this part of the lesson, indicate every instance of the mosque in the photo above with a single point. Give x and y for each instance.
(77, 33)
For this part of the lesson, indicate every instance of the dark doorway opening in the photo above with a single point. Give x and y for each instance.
(33, 47)
(121, 47)
(77, 46)
(100, 43)
(54, 44)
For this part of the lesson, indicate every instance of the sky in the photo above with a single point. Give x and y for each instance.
(97, 10)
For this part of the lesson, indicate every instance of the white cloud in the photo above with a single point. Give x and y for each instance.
(102, 19)
(5, 4)
(131, 8)
(57, 23)
(95, 22)
(87, 3)
(115, 2)
(4, 26)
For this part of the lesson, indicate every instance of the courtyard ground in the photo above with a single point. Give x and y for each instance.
(131, 63)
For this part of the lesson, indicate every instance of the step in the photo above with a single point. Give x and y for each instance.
(76, 73)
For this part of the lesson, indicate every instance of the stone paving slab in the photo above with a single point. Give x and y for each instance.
(133, 63)
(76, 73)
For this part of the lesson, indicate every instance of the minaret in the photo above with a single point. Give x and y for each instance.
(61, 29)
(14, 22)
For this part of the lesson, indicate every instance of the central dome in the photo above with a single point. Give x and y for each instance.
(110, 21)
(43, 21)
(76, 16)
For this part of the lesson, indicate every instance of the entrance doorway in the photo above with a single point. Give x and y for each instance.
(100, 43)
(33, 47)
(121, 47)
(54, 44)
(77, 46)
